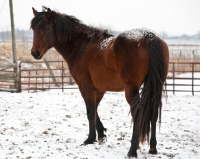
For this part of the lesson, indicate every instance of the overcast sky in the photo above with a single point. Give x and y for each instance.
(176, 17)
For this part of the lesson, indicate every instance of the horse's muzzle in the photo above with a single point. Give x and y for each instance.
(36, 54)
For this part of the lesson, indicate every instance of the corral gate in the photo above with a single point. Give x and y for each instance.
(8, 77)
(183, 77)
(44, 75)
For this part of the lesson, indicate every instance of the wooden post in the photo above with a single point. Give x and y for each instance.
(13, 44)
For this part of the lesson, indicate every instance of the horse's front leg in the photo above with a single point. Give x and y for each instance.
(91, 115)
(99, 126)
(89, 98)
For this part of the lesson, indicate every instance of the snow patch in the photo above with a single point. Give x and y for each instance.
(54, 125)
(138, 34)
(105, 43)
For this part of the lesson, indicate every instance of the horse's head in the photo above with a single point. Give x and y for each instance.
(44, 33)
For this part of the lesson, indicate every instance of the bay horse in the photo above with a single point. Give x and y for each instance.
(99, 62)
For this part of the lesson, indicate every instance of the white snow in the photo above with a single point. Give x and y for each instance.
(134, 34)
(137, 34)
(53, 125)
(105, 43)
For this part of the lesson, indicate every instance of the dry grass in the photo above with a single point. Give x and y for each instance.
(184, 52)
(178, 53)
(24, 53)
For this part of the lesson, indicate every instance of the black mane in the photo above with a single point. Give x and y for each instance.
(67, 26)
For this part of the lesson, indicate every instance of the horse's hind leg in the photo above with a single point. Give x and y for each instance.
(153, 141)
(130, 95)
(99, 126)
(135, 137)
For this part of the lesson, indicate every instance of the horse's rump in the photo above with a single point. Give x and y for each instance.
(148, 66)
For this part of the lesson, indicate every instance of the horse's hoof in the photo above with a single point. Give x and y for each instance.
(102, 140)
(153, 151)
(86, 142)
(132, 154)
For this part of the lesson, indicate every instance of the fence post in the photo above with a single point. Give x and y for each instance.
(70, 79)
(62, 77)
(13, 44)
(192, 78)
(29, 73)
(173, 78)
(36, 85)
(19, 81)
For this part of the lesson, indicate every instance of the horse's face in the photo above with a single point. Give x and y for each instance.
(43, 34)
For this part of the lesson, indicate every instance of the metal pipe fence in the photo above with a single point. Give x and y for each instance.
(182, 77)
(41, 79)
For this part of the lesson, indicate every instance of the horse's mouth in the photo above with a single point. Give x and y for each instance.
(37, 55)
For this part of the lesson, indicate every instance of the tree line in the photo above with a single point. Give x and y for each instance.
(195, 37)
(20, 35)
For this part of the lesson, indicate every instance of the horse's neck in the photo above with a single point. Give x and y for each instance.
(72, 50)
(80, 36)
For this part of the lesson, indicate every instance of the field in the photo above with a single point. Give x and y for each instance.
(184, 52)
(54, 125)
(24, 54)
(178, 52)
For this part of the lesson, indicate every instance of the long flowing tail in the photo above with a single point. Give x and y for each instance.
(148, 102)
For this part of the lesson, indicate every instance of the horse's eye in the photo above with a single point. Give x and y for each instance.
(48, 28)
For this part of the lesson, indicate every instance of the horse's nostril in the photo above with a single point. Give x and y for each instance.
(37, 53)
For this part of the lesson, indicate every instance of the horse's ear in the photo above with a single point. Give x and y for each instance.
(34, 11)
(48, 13)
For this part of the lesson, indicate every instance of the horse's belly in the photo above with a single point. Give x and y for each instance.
(108, 82)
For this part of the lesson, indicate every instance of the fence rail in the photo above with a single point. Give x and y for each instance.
(34, 79)
(182, 77)
(8, 77)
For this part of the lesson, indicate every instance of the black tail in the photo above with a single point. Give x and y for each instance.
(149, 100)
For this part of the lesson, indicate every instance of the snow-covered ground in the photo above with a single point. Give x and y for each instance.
(54, 125)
